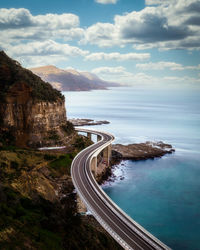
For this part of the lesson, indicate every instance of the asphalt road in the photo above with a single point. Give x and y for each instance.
(126, 231)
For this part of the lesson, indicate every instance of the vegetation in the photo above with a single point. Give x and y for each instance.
(28, 218)
(11, 73)
(53, 135)
(62, 164)
(68, 128)
(27, 224)
(80, 143)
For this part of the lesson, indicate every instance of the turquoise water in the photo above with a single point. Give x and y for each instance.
(163, 195)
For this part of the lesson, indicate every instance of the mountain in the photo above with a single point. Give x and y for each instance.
(32, 113)
(70, 79)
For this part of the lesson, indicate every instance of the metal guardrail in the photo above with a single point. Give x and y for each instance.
(142, 232)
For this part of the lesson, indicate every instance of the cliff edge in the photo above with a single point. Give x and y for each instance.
(32, 113)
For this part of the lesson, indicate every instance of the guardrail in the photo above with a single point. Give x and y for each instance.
(148, 237)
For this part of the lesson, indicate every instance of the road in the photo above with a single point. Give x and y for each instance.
(128, 233)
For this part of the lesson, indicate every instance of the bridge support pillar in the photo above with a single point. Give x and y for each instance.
(98, 137)
(94, 166)
(81, 207)
(89, 136)
(107, 154)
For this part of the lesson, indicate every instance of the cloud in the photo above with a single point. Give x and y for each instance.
(20, 24)
(101, 34)
(106, 1)
(173, 24)
(21, 18)
(154, 2)
(15, 18)
(41, 53)
(121, 75)
(165, 65)
(117, 56)
(46, 48)
(109, 70)
(149, 25)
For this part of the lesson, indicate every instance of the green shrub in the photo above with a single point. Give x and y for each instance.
(11, 72)
(62, 164)
(49, 157)
(53, 135)
(79, 143)
(68, 128)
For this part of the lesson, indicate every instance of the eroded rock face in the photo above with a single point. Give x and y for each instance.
(32, 123)
(32, 113)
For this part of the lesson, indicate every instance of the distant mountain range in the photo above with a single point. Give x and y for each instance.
(70, 79)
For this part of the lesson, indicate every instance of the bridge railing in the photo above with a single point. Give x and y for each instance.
(148, 237)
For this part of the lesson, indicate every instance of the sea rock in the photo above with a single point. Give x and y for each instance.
(141, 151)
(86, 122)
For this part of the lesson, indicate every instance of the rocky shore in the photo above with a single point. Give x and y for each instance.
(86, 122)
(141, 151)
(135, 152)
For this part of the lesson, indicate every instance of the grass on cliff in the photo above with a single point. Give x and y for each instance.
(40, 224)
(30, 221)
(11, 72)
(61, 165)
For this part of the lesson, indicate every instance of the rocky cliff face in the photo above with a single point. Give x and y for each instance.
(32, 113)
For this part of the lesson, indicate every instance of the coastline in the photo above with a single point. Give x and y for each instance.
(134, 152)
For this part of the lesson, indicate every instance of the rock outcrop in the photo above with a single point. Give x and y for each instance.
(86, 122)
(141, 151)
(32, 113)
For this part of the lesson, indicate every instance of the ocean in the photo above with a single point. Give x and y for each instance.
(163, 195)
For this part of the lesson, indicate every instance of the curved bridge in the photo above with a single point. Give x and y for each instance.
(128, 233)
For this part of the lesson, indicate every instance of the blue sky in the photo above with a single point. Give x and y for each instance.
(128, 41)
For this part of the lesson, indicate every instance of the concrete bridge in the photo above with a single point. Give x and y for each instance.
(104, 153)
(128, 233)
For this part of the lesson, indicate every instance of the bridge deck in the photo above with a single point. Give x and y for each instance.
(126, 231)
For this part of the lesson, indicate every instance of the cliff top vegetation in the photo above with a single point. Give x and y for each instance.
(12, 73)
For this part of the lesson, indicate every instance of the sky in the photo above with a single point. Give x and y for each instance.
(126, 41)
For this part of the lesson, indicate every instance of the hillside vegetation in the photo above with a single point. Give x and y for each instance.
(12, 73)
(37, 204)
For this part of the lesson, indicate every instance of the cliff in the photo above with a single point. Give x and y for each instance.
(32, 113)
(71, 80)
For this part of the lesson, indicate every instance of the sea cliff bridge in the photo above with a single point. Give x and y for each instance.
(128, 233)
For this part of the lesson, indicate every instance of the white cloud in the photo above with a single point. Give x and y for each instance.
(117, 56)
(184, 80)
(17, 18)
(41, 53)
(101, 34)
(154, 2)
(106, 1)
(121, 75)
(165, 65)
(46, 48)
(109, 70)
(20, 24)
(173, 24)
